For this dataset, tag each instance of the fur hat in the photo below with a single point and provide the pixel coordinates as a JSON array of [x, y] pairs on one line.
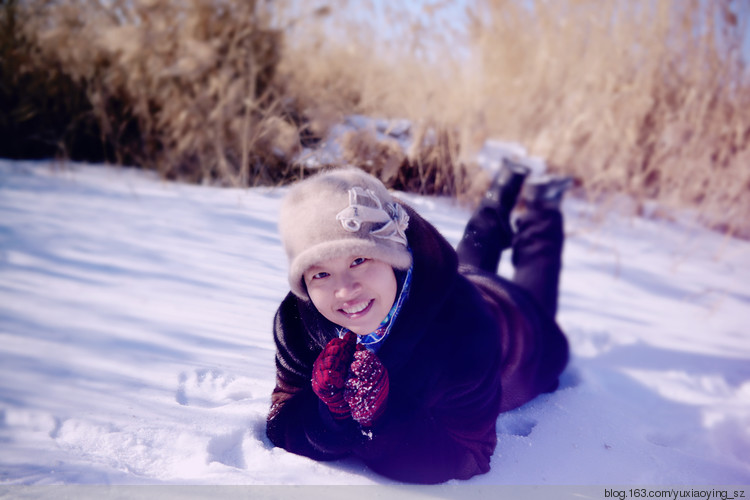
[[341, 212]]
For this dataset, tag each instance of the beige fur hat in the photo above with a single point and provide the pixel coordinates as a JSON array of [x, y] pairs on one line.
[[341, 212]]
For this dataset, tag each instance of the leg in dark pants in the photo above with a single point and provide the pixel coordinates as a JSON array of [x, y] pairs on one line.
[[489, 231], [537, 255], [487, 234], [537, 245]]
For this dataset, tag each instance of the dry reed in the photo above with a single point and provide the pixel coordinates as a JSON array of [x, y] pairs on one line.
[[183, 87], [645, 97]]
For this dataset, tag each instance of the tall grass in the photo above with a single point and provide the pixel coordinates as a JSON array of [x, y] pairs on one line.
[[646, 97], [43, 110], [649, 98], [182, 87]]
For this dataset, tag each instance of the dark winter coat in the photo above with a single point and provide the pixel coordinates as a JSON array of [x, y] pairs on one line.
[[465, 347]]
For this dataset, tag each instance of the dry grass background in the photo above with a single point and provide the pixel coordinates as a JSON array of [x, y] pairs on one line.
[[644, 97]]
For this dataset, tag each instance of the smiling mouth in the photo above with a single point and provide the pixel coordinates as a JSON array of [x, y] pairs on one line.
[[357, 309]]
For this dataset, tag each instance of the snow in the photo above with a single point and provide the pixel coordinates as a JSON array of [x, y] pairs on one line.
[[136, 348]]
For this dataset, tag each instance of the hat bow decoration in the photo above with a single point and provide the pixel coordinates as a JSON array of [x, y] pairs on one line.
[[394, 218]]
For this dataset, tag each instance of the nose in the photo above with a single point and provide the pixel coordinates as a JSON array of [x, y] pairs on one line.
[[347, 286]]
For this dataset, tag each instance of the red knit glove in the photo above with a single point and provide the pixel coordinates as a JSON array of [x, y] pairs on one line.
[[367, 387], [330, 372]]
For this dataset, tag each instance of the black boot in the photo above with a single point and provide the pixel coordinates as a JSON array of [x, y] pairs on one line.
[[546, 193], [505, 187]]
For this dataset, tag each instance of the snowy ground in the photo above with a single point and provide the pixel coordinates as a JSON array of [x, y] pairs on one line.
[[135, 342]]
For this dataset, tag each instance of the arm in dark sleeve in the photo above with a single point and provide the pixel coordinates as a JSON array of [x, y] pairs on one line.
[[454, 439], [298, 421], [442, 426]]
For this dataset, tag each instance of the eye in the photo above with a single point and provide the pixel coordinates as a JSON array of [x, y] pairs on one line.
[[315, 275], [358, 261]]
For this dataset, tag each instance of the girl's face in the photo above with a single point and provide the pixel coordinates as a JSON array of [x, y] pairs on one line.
[[354, 292]]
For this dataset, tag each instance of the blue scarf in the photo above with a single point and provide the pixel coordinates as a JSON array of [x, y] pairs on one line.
[[373, 341]]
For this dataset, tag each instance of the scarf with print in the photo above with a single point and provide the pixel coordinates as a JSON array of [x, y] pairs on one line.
[[373, 341]]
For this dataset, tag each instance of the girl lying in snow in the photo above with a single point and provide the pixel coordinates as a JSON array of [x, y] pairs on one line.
[[395, 348]]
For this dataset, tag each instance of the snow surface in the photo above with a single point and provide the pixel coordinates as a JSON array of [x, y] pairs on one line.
[[135, 342]]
